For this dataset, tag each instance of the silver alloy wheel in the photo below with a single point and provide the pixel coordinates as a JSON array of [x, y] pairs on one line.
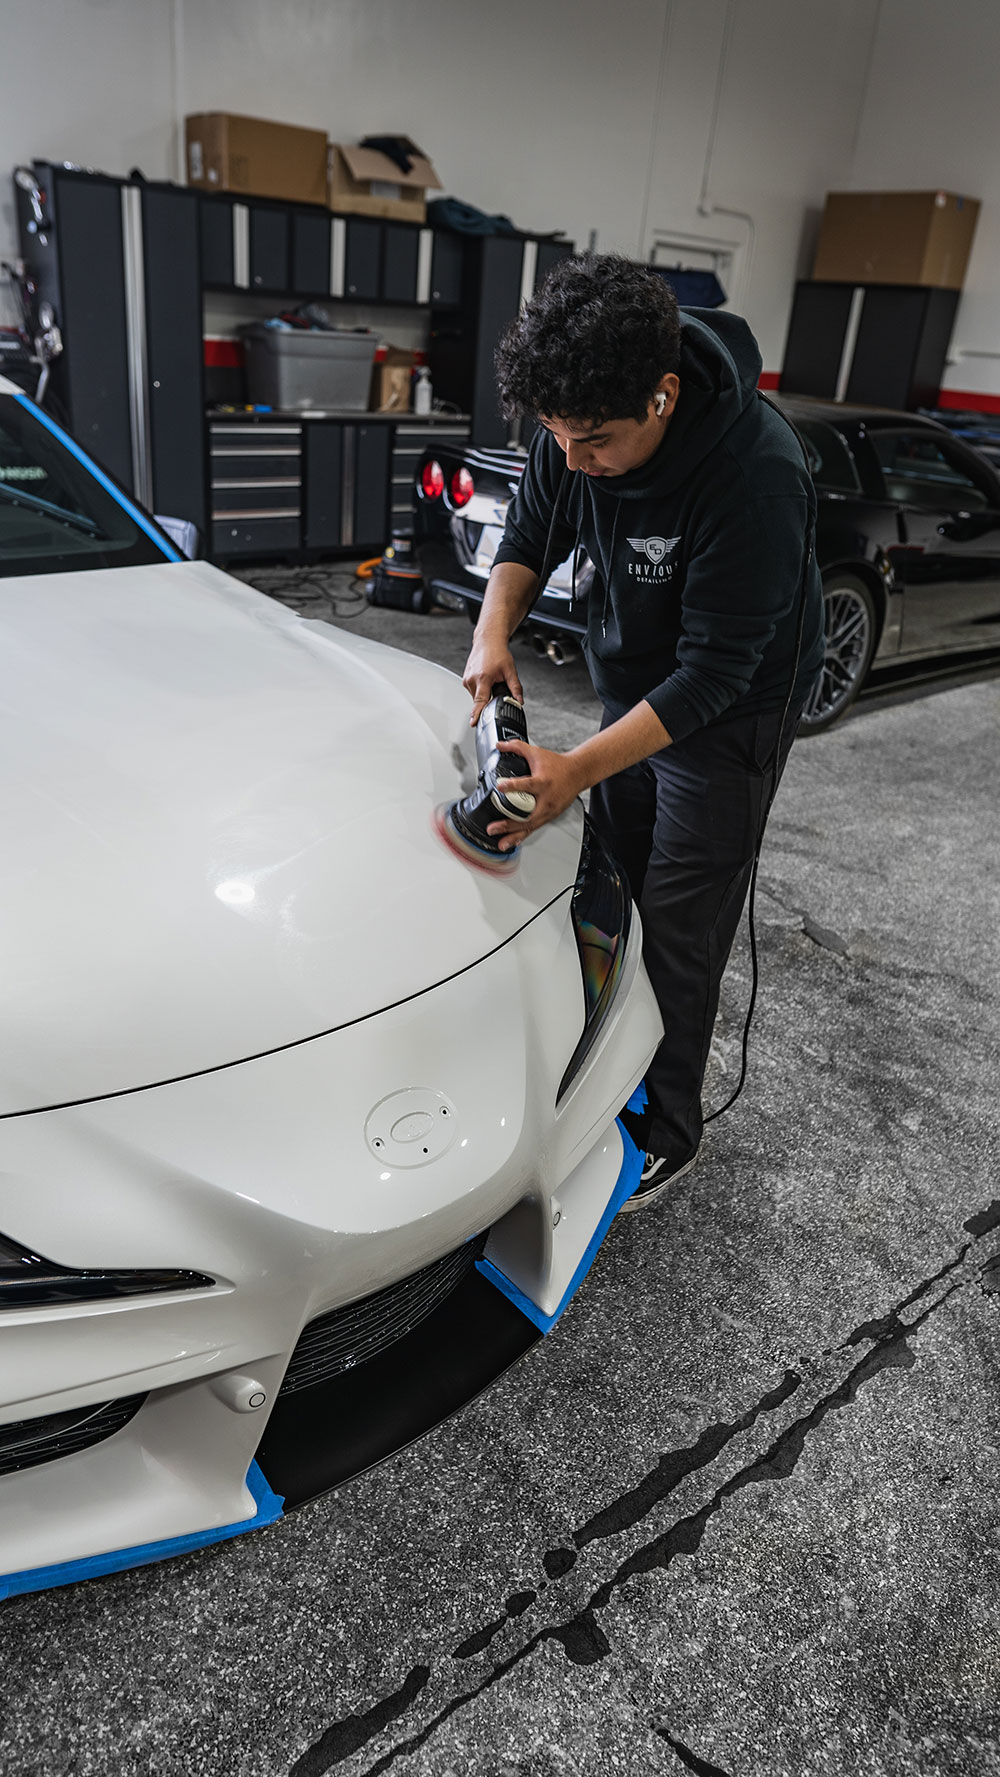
[[849, 618]]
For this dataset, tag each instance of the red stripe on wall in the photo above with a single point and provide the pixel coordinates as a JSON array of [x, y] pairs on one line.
[[969, 401], [769, 379], [225, 354]]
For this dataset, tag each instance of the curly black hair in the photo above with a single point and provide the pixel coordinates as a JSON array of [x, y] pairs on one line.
[[592, 344]]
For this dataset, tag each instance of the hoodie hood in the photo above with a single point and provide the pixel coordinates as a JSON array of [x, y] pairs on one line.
[[719, 370]]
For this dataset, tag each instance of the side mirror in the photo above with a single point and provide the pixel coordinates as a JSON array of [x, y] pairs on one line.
[[184, 534]]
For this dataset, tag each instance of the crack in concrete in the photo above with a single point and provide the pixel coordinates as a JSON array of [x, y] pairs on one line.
[[478, 1643], [353, 1732], [824, 937], [985, 1221], [581, 1636], [821, 935], [699, 1766], [675, 1466], [890, 1325]]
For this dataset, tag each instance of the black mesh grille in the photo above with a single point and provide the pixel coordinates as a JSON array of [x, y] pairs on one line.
[[349, 1336], [27, 1442]]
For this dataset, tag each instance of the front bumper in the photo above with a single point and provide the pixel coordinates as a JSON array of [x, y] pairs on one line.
[[260, 1176]]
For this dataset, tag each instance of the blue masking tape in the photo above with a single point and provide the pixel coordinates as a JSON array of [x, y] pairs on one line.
[[91, 1567], [170, 553], [638, 1100], [625, 1184]]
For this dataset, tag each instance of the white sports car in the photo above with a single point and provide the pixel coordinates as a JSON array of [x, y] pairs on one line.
[[307, 1129]]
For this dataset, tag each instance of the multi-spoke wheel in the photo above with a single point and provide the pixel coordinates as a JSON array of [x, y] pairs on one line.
[[851, 632]]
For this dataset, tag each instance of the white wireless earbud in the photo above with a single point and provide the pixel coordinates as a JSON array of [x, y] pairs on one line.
[[659, 403]]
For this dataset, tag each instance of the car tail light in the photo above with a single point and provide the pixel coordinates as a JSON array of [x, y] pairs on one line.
[[432, 481], [462, 487]]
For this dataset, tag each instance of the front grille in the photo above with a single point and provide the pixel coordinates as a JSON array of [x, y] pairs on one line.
[[353, 1335], [27, 1442]]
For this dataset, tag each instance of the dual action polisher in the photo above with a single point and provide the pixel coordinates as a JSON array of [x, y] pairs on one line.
[[463, 825]]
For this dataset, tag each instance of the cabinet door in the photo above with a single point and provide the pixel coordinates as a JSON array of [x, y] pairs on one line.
[[816, 334], [371, 484], [499, 299], [324, 481], [269, 248], [363, 260], [549, 254], [902, 344], [399, 269], [446, 270], [174, 352], [88, 227], [215, 222], [310, 253]]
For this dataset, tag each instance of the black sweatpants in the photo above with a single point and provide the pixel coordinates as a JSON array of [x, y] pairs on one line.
[[685, 824]]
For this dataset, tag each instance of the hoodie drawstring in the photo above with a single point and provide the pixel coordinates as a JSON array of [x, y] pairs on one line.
[[608, 567]]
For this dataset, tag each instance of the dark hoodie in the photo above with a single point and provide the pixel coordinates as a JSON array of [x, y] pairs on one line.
[[699, 555]]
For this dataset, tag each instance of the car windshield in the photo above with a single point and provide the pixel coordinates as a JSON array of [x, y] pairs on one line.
[[55, 516]]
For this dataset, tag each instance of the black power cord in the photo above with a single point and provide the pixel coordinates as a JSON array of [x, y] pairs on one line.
[[295, 588], [775, 766]]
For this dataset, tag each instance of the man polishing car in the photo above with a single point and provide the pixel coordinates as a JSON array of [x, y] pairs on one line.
[[691, 496]]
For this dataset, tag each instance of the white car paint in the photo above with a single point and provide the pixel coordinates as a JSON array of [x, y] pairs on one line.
[[492, 516], [215, 810]]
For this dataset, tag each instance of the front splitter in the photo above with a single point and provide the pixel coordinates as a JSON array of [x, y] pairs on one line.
[[324, 1435]]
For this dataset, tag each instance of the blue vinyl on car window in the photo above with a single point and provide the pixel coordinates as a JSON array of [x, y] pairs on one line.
[[59, 511]]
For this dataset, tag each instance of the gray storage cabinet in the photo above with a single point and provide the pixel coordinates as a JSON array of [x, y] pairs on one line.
[[301, 488]]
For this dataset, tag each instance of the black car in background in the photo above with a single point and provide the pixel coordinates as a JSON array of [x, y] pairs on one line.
[[908, 542]]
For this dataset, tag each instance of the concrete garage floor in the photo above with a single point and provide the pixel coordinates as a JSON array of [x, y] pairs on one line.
[[738, 1513]]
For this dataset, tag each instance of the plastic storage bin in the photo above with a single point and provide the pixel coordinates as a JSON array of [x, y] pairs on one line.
[[299, 370]]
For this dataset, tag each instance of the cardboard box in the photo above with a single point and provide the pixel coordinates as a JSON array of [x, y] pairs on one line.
[[896, 237], [364, 182], [255, 158], [392, 380]]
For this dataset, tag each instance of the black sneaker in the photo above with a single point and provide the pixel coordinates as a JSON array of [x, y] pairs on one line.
[[658, 1171]]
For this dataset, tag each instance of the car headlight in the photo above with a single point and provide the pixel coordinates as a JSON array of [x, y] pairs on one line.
[[602, 915], [29, 1281]]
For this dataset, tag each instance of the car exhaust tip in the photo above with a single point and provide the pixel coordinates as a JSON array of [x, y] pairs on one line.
[[561, 653]]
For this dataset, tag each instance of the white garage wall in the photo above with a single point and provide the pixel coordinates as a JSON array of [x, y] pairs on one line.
[[759, 105], [931, 121], [575, 114], [91, 81], [710, 120]]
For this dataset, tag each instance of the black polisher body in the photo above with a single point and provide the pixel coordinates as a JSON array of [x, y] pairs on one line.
[[467, 820]]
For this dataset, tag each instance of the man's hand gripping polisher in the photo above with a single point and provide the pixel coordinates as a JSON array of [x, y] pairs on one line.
[[463, 825]]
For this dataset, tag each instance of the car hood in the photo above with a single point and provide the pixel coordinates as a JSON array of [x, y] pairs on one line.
[[218, 832]]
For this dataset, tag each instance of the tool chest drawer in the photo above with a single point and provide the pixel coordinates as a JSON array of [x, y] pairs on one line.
[[229, 463], [256, 486], [255, 497], [267, 533]]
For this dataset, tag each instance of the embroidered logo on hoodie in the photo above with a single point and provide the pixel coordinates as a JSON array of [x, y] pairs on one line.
[[655, 549]]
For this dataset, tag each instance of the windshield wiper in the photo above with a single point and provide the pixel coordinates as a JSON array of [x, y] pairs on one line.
[[16, 496]]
